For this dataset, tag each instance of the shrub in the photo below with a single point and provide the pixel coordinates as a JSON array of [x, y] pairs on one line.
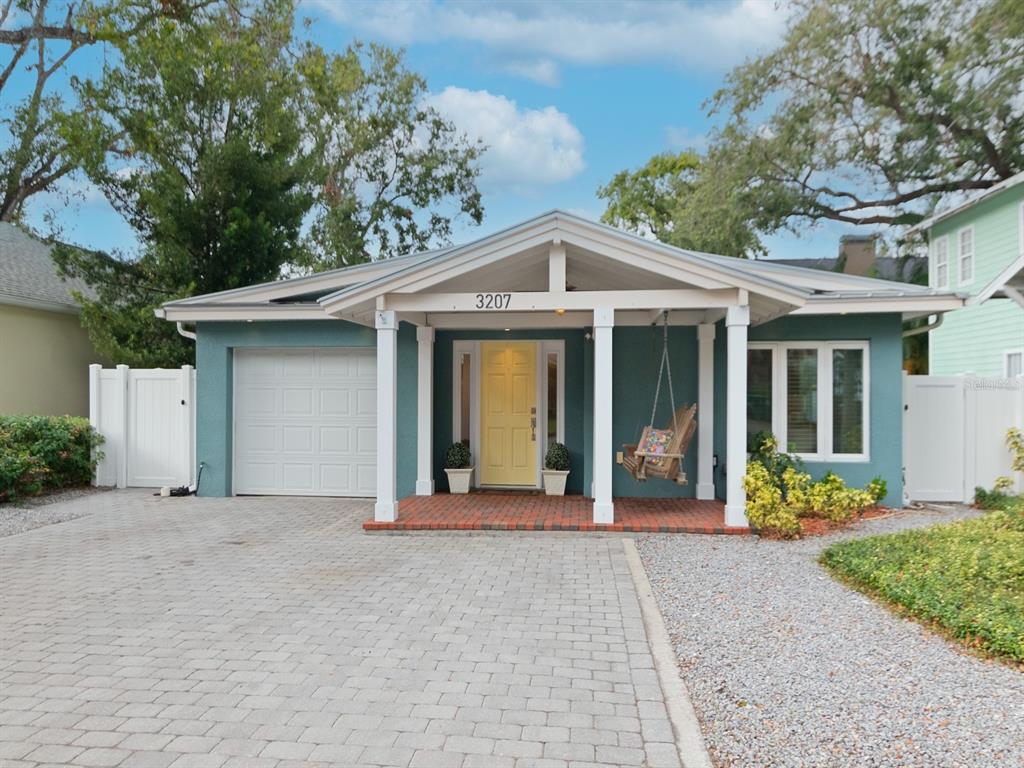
[[1015, 442], [40, 452], [830, 498], [767, 454], [458, 457], [765, 508], [878, 489], [966, 578], [557, 458]]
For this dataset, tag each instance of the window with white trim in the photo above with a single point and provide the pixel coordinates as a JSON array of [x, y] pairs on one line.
[[812, 395], [965, 254], [940, 254], [1013, 363]]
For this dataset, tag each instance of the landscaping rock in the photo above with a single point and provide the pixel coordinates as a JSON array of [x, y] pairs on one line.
[[787, 667]]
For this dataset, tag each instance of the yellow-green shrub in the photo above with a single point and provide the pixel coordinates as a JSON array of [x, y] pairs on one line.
[[765, 509], [831, 499]]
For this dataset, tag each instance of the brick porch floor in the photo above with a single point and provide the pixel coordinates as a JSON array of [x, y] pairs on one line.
[[492, 511]]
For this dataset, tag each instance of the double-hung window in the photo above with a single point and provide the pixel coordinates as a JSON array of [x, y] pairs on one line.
[[940, 250], [965, 252], [813, 396]]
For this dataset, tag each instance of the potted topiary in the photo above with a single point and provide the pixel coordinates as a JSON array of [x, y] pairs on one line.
[[458, 465], [556, 469]]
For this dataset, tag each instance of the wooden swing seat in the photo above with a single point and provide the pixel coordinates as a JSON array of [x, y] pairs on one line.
[[668, 464]]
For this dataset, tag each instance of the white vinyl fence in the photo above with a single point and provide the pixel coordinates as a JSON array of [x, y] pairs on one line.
[[147, 416], [954, 434]]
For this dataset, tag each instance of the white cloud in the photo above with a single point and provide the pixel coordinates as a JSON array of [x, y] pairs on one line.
[[525, 147], [679, 137], [705, 36], [543, 71]]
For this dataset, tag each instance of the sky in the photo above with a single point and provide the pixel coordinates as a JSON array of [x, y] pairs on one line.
[[564, 95]]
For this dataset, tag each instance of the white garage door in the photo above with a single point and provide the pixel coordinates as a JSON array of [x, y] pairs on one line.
[[305, 421]]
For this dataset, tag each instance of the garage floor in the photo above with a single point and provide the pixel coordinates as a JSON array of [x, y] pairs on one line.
[[274, 632]]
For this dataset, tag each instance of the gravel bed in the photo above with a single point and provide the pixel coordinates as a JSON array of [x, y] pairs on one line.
[[52, 508], [787, 667]]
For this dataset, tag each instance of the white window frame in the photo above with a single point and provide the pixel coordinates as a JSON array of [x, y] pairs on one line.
[[936, 283], [825, 406], [961, 257], [1006, 360], [544, 347]]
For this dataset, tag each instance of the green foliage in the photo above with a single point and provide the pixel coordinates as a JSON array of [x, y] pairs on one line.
[[767, 454], [1015, 442], [50, 130], [869, 112], [209, 171], [765, 508], [878, 488], [685, 201], [458, 457], [557, 458], [967, 577], [876, 108], [40, 452], [779, 493], [386, 164]]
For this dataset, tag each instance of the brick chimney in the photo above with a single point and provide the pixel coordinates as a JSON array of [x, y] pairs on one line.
[[857, 253]]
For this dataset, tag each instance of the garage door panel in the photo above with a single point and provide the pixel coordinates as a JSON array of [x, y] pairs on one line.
[[297, 439], [305, 421], [336, 402]]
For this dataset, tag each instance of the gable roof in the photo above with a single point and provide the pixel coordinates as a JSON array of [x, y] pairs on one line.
[[343, 291], [28, 276], [995, 189]]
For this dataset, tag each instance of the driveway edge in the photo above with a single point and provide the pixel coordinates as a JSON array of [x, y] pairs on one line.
[[689, 740]]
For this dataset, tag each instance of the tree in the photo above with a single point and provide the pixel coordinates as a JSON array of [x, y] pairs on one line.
[[209, 171], [391, 173], [231, 137], [684, 200], [870, 112], [50, 132], [878, 108]]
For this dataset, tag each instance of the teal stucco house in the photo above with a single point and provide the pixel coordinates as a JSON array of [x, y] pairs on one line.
[[353, 382], [977, 249]]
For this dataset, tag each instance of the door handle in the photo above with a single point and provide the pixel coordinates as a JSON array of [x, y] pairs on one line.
[[533, 429]]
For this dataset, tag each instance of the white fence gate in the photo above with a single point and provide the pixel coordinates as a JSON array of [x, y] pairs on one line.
[[147, 416], [954, 434]]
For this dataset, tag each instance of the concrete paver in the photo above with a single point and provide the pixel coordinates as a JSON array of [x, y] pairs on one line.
[[274, 632]]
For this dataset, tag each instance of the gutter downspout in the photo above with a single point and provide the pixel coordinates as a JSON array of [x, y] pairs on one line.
[[186, 334]]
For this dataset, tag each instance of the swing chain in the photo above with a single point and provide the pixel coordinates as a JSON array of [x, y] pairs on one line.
[[663, 368]]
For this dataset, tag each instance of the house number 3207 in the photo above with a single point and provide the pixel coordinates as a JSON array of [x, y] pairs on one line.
[[493, 300]]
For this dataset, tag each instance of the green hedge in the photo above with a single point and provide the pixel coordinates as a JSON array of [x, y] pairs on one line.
[[42, 452], [967, 577]]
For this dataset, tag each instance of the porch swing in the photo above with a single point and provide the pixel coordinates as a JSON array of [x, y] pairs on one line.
[[659, 452]]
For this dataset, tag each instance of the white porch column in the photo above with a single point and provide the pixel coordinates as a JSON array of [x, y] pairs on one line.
[[424, 411], [604, 322], [736, 321], [705, 410], [386, 508]]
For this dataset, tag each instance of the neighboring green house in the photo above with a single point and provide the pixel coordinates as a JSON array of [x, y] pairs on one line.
[[977, 249]]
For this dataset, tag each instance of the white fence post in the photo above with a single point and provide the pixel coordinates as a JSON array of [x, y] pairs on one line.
[[122, 459], [188, 414], [94, 409]]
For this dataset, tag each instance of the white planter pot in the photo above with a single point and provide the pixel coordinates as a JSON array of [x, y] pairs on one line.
[[458, 479], [554, 481]]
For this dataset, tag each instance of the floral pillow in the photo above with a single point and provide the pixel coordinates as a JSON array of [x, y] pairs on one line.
[[657, 441]]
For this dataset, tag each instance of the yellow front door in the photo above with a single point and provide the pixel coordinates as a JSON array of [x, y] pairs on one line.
[[508, 413]]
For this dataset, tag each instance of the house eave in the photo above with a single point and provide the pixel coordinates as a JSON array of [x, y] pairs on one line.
[[240, 312]]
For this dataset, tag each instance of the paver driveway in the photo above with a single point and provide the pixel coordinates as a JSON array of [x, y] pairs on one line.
[[273, 632]]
